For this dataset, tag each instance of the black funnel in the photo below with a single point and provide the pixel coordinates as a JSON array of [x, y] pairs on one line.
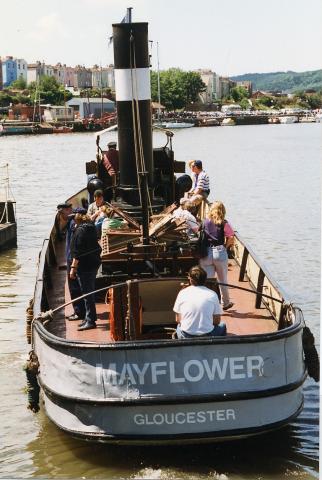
[[133, 103]]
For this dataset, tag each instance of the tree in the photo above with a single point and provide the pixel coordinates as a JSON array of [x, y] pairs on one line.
[[238, 93], [178, 88], [49, 91], [244, 103], [19, 84], [5, 99]]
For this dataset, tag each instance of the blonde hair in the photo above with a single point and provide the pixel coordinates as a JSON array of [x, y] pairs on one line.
[[190, 163], [82, 218], [217, 213], [106, 209]]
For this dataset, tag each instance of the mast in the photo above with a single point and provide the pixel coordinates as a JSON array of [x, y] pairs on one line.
[[101, 82], [159, 89]]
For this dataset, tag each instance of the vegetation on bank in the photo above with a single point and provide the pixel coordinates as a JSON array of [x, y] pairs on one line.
[[179, 90], [48, 91], [289, 82], [300, 99]]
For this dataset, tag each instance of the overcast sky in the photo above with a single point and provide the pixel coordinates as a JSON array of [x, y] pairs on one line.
[[230, 37]]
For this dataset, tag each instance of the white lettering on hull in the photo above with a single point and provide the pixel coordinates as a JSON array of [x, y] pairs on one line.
[[180, 418], [231, 368]]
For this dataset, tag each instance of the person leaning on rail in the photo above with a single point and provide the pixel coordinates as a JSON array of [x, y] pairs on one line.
[[61, 219], [200, 183], [197, 308]]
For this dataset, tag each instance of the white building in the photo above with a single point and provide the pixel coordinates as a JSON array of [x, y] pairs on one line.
[[55, 113], [99, 77], [22, 68], [209, 78]]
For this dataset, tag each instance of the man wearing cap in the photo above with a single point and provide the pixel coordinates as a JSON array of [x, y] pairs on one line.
[[111, 162], [94, 208], [73, 284], [200, 184], [61, 219]]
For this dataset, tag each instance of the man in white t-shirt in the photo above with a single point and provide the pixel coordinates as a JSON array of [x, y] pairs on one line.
[[197, 308]]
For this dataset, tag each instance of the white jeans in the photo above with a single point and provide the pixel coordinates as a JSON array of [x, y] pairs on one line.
[[216, 262]]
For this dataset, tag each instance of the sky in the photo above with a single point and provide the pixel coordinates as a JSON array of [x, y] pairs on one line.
[[230, 37]]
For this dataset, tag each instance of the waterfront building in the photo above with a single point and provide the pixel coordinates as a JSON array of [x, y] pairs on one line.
[[34, 72], [99, 77], [111, 77], [48, 70], [22, 67], [58, 113], [260, 94], [64, 75], [9, 71], [91, 107], [82, 77], [38, 70], [209, 78], [59, 73], [247, 84], [1, 83], [225, 84]]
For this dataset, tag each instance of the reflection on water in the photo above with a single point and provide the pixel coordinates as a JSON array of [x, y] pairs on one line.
[[276, 455], [269, 179]]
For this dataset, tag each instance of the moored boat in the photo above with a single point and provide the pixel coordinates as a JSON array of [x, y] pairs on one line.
[[130, 380], [288, 119], [228, 122], [8, 223]]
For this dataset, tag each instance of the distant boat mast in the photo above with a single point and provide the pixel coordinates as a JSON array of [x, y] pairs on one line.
[[159, 89]]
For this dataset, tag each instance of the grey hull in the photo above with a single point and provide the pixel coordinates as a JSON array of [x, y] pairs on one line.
[[171, 423], [215, 388]]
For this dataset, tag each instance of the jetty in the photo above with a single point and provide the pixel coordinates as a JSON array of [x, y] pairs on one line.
[[8, 224]]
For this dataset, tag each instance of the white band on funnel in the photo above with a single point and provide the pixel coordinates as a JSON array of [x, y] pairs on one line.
[[141, 84]]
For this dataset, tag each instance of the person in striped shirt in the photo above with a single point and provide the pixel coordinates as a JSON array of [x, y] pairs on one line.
[[200, 183]]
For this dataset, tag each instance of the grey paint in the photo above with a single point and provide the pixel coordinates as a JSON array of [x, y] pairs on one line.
[[100, 374], [161, 420]]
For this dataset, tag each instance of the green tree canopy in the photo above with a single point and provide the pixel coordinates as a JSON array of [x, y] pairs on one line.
[[49, 91], [238, 93], [178, 88], [19, 84]]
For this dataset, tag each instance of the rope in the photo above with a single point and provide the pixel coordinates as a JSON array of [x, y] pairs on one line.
[[140, 162]]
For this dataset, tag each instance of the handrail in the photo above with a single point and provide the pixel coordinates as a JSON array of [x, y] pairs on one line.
[[49, 313], [265, 270]]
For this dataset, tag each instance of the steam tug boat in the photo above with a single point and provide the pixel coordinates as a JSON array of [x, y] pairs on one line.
[[129, 380]]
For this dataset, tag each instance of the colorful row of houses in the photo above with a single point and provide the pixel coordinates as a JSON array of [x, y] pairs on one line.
[[79, 77]]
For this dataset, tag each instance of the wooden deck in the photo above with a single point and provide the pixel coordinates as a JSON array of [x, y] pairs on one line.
[[242, 319]]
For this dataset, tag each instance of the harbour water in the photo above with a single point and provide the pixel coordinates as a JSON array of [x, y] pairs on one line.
[[268, 176]]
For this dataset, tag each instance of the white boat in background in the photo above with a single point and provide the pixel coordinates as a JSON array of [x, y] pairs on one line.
[[288, 119], [318, 117], [307, 119], [228, 122], [171, 125]]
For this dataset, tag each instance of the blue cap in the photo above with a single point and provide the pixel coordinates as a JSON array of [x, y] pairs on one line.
[[197, 163], [80, 210]]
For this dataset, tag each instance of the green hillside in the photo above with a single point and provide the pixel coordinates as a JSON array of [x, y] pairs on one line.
[[284, 81]]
